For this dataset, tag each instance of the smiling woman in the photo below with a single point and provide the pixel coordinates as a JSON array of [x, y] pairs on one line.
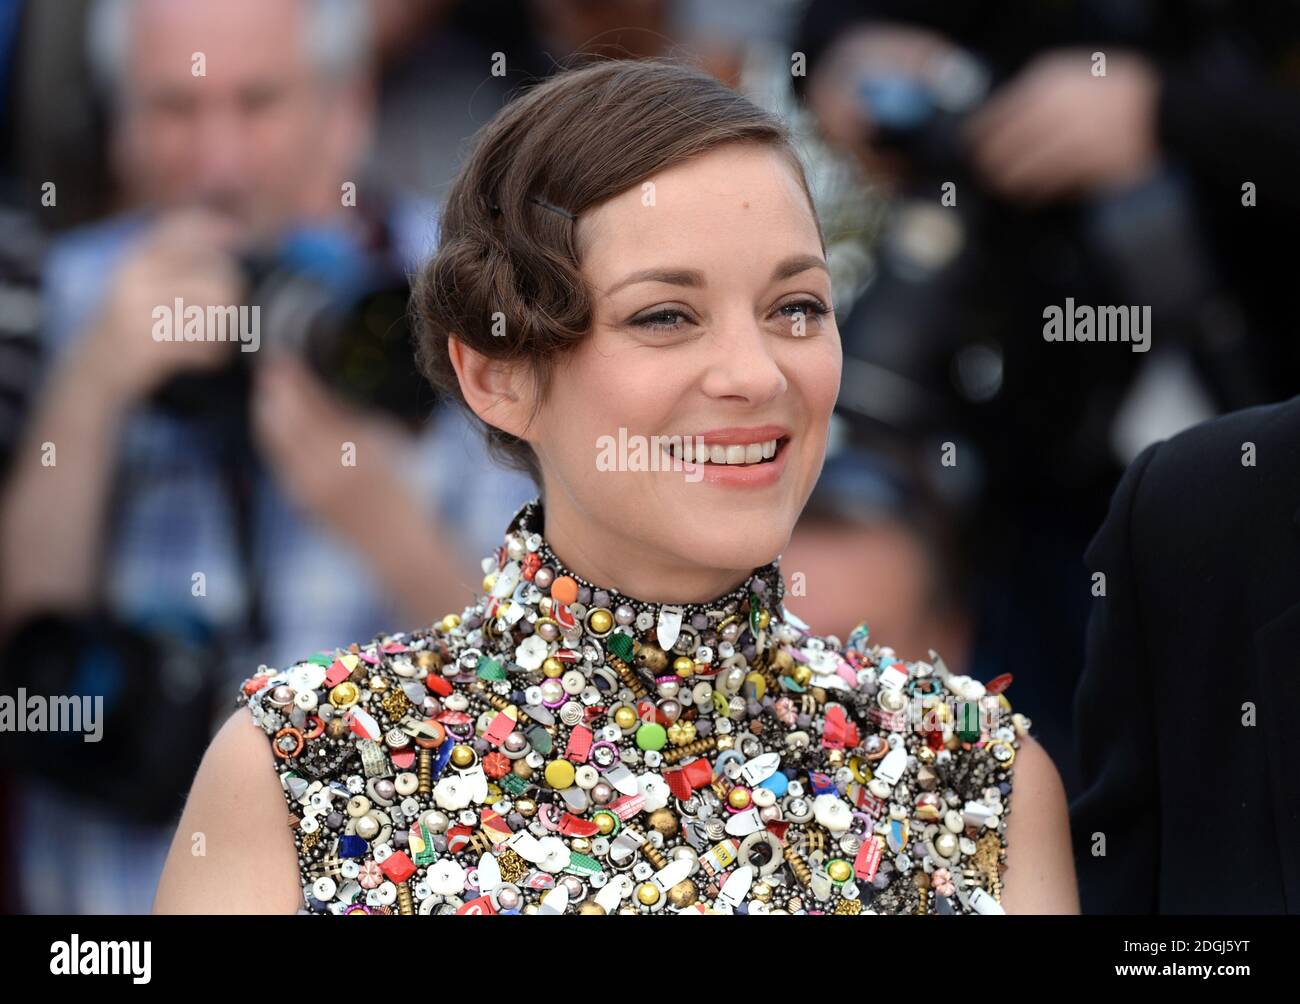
[[627, 719]]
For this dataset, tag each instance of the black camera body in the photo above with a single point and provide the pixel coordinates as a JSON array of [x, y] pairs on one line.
[[342, 310]]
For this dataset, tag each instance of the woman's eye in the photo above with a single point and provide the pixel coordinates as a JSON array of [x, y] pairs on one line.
[[670, 319], [664, 320], [804, 311]]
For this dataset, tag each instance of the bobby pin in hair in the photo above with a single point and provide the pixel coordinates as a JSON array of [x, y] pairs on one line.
[[541, 202]]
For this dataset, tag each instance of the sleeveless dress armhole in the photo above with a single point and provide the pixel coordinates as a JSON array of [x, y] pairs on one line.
[[322, 765], [961, 741]]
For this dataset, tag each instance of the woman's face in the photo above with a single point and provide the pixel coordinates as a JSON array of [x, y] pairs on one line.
[[711, 318]]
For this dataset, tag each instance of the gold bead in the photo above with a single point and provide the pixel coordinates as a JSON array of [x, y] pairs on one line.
[[738, 798], [761, 891], [653, 658], [337, 728], [764, 619], [651, 853], [590, 909], [684, 666], [606, 822], [581, 844], [462, 755], [488, 582], [647, 893], [600, 620], [683, 894], [521, 768], [801, 675], [625, 717], [664, 821], [451, 622], [345, 695], [839, 870], [552, 667], [680, 733], [425, 659], [526, 807], [783, 662]]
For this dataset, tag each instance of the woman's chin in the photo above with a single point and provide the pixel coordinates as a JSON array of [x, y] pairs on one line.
[[717, 536]]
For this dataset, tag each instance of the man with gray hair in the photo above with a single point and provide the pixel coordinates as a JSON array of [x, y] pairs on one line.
[[236, 124]]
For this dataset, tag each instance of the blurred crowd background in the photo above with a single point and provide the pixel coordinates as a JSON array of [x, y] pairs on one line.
[[973, 162]]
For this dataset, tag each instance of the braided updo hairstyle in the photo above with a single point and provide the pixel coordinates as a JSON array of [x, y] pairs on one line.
[[506, 277]]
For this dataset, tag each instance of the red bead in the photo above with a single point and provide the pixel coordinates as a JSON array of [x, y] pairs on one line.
[[496, 765], [398, 866]]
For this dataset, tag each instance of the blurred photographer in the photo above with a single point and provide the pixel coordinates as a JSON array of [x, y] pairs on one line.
[[1035, 152], [1114, 152], [185, 509]]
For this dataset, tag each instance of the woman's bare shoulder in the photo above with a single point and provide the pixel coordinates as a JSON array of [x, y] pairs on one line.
[[233, 851], [1040, 874]]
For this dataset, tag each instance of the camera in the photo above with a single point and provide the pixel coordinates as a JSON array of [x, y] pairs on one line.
[[948, 332], [341, 308]]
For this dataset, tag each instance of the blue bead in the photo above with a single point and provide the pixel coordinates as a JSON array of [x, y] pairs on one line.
[[776, 784], [444, 757], [351, 846]]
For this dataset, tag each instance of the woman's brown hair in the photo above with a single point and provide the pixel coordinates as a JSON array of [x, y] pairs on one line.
[[506, 278]]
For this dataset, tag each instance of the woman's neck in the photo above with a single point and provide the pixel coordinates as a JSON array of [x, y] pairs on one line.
[[611, 560]]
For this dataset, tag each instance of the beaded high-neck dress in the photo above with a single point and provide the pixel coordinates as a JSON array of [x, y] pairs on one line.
[[558, 747]]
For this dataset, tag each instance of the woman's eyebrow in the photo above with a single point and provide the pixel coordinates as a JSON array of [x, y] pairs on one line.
[[694, 277], [796, 264], [672, 276]]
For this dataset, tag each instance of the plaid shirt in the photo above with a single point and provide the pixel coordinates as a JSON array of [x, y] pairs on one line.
[[170, 518]]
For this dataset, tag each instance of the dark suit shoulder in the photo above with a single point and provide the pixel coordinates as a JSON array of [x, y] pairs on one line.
[[1215, 492]]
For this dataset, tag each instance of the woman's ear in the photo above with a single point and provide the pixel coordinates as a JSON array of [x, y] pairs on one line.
[[496, 390]]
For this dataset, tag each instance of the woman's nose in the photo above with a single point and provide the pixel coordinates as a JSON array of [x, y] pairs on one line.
[[741, 363]]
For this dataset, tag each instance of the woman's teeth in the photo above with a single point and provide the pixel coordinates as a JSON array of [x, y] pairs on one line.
[[748, 453]]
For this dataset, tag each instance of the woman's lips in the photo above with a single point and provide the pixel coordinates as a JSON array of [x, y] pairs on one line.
[[749, 475]]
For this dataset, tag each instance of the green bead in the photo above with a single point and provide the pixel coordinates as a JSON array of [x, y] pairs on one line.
[[322, 659], [490, 669], [582, 864], [427, 856], [620, 645], [651, 736], [539, 739], [968, 728]]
